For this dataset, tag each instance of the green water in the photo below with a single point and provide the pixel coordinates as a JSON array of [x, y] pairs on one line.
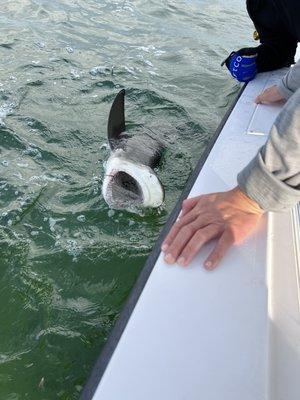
[[67, 262]]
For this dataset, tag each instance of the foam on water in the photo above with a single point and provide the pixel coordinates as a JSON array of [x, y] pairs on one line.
[[5, 110], [53, 222], [99, 70]]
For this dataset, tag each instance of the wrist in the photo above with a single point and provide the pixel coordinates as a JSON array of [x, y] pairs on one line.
[[251, 205]]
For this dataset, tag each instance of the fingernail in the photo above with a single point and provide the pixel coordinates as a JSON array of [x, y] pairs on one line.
[[208, 265], [181, 261], [169, 259], [164, 247]]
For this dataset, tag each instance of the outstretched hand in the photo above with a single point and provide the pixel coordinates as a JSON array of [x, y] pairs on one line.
[[229, 217], [269, 96]]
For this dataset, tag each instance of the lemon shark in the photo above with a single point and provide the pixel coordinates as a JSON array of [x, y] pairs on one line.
[[130, 181]]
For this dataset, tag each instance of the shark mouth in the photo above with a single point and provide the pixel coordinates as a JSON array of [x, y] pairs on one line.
[[129, 185]]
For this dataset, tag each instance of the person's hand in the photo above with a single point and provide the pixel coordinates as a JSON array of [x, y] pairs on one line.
[[242, 64], [229, 217], [269, 96]]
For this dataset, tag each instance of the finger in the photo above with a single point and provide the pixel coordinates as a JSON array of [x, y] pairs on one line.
[[264, 101], [201, 237], [197, 220], [258, 99], [263, 98], [188, 205], [176, 228], [224, 243], [179, 242], [183, 236]]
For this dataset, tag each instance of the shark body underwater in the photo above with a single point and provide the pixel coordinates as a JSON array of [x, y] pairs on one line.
[[130, 181]]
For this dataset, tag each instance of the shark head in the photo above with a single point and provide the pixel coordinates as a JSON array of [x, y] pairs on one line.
[[130, 181]]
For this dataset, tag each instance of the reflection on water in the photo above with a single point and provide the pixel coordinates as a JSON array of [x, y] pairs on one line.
[[67, 261]]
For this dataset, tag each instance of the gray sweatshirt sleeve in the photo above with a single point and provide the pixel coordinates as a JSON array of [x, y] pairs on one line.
[[272, 178], [290, 83]]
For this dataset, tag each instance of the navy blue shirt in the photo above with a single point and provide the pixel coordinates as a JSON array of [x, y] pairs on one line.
[[278, 25]]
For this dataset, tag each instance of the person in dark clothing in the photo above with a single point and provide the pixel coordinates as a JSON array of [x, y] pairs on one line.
[[277, 23]]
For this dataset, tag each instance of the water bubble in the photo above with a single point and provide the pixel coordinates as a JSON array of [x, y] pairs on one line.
[[70, 49], [74, 74], [5, 163], [111, 213], [34, 233]]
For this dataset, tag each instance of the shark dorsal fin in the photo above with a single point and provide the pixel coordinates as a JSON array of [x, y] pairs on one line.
[[116, 120]]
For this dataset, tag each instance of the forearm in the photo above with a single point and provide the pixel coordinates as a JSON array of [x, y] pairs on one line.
[[290, 83], [275, 55], [278, 41], [272, 179]]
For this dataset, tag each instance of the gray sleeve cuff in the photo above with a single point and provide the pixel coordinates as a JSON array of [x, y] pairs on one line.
[[290, 83], [262, 186], [284, 90]]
